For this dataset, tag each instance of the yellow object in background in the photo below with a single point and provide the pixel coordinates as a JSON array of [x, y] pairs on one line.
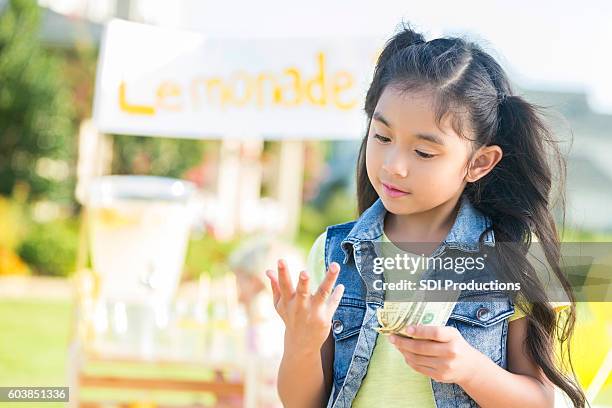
[[11, 263], [142, 404], [591, 344]]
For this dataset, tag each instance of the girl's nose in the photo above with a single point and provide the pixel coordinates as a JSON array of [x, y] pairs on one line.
[[396, 163]]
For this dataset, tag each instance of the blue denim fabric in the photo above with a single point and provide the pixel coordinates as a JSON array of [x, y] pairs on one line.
[[351, 245]]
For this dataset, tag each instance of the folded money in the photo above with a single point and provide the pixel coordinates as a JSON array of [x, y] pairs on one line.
[[395, 317]]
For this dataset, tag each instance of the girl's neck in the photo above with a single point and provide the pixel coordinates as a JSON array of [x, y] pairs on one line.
[[430, 226]]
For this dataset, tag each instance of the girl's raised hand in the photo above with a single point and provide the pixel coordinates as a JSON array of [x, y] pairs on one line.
[[307, 316]]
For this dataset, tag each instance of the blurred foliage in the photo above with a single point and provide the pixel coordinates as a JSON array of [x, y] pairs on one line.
[[50, 248], [79, 72], [207, 255], [156, 156], [13, 223], [577, 235], [36, 111], [341, 207]]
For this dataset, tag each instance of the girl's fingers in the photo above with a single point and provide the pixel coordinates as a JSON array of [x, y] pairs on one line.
[[428, 369], [284, 280], [418, 360], [276, 294], [302, 290], [442, 334], [326, 287], [334, 300], [418, 346]]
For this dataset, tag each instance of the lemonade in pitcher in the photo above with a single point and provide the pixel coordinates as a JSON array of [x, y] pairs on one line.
[[139, 230]]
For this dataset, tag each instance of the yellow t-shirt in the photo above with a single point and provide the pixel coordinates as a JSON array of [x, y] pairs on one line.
[[388, 374]]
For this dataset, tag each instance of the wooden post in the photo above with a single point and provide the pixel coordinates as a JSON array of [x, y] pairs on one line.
[[249, 182], [95, 156], [238, 184], [288, 189], [228, 188]]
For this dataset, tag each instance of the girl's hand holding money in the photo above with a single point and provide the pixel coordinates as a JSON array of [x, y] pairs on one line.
[[307, 316], [439, 352]]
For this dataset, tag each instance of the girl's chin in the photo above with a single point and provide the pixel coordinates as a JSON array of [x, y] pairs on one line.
[[397, 205]]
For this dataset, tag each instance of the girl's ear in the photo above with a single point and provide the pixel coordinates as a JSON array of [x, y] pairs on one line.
[[482, 162]]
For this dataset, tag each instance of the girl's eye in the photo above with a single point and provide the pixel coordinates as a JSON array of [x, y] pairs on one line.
[[424, 155], [382, 138]]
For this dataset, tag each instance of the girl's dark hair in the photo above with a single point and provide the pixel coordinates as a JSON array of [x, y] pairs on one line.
[[467, 83]]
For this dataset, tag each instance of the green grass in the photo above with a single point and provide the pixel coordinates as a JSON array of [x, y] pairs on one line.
[[34, 339], [33, 342]]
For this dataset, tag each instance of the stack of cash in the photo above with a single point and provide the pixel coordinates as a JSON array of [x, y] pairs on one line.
[[395, 317]]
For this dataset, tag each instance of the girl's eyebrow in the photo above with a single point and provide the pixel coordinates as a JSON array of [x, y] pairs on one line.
[[428, 137], [379, 117]]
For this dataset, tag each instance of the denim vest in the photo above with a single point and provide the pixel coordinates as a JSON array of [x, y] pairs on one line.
[[481, 318]]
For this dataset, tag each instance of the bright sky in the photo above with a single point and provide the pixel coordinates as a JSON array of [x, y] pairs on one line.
[[560, 44], [545, 44]]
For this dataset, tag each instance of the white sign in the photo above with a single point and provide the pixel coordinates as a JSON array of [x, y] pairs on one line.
[[160, 82]]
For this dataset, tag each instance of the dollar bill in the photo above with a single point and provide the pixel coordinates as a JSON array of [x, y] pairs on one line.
[[395, 317], [395, 312]]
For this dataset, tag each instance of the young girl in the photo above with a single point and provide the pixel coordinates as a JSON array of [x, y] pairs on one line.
[[452, 157]]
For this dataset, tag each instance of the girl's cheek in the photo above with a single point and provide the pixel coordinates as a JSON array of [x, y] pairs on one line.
[[430, 177], [372, 149], [373, 161]]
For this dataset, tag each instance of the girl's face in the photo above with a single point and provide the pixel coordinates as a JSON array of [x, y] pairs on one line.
[[413, 164]]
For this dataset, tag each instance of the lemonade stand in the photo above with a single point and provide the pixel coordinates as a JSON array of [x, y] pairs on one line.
[[155, 81]]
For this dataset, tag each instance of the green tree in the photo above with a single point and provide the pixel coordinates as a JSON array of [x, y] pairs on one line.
[[37, 131]]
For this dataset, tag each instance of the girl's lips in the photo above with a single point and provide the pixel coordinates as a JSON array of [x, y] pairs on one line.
[[393, 192]]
